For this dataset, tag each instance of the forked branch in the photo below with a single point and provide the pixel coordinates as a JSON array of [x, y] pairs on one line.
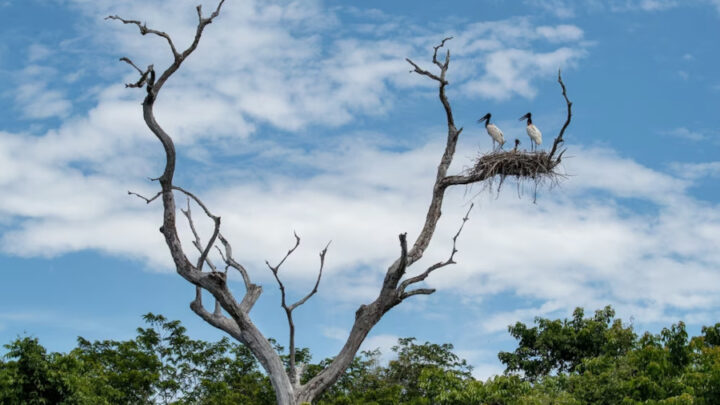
[[295, 373], [422, 276], [144, 30], [559, 139]]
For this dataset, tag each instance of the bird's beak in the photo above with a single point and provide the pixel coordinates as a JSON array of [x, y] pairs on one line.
[[524, 117]]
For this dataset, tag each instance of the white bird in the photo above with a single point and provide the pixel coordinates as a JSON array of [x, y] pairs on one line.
[[492, 130], [532, 131]]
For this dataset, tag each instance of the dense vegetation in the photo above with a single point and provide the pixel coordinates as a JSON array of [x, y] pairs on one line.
[[594, 360]]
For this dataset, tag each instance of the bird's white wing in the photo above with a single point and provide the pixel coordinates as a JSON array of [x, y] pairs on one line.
[[496, 134], [534, 134]]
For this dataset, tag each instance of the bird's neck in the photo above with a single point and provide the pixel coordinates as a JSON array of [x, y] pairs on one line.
[[529, 121]]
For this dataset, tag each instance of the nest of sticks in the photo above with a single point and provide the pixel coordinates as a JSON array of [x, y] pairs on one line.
[[533, 165], [536, 167]]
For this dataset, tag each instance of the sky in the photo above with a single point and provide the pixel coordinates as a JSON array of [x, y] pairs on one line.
[[303, 116]]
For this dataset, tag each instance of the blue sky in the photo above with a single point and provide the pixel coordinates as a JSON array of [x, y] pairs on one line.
[[303, 116]]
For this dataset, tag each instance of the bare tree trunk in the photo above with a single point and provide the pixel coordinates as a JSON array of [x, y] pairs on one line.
[[237, 323]]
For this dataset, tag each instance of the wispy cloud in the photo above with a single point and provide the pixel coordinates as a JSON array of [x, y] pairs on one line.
[[510, 72], [54, 318], [559, 8], [690, 135], [35, 95], [384, 343], [697, 170], [37, 52], [570, 8], [511, 63]]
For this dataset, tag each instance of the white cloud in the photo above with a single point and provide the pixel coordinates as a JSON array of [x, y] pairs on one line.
[[510, 72], [561, 33], [260, 63], [54, 318], [560, 8], [39, 102], [568, 8], [652, 5], [36, 98], [384, 343], [335, 333], [38, 52], [716, 4], [689, 134], [580, 244], [697, 170]]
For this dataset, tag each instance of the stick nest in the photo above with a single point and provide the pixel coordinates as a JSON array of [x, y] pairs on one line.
[[536, 166]]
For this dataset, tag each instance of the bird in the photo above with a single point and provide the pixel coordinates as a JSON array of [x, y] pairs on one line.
[[492, 130], [517, 143], [532, 131]]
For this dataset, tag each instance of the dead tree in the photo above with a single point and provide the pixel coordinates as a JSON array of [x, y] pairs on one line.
[[233, 316]]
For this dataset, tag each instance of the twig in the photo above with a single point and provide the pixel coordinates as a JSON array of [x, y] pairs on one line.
[[559, 139], [426, 273], [294, 377], [144, 30], [147, 200], [197, 243]]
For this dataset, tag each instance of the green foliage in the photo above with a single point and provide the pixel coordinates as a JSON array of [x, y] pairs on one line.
[[162, 365], [574, 361], [30, 377], [562, 345]]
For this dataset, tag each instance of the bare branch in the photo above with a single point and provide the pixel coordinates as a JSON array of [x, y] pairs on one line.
[[317, 282], [559, 140], [196, 199], [230, 261], [451, 260], [289, 252], [222, 256], [423, 72], [294, 378], [444, 65], [368, 315], [145, 77], [216, 220], [197, 243], [145, 30], [392, 278], [418, 291], [147, 200], [434, 210], [238, 324], [129, 62]]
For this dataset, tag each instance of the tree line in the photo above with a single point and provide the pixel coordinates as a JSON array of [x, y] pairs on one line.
[[580, 360]]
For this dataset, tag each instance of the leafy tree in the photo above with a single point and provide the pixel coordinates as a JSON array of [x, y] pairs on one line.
[[562, 345], [434, 365], [29, 377], [711, 335], [162, 365]]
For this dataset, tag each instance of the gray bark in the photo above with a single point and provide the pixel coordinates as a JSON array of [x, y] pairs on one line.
[[237, 323]]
